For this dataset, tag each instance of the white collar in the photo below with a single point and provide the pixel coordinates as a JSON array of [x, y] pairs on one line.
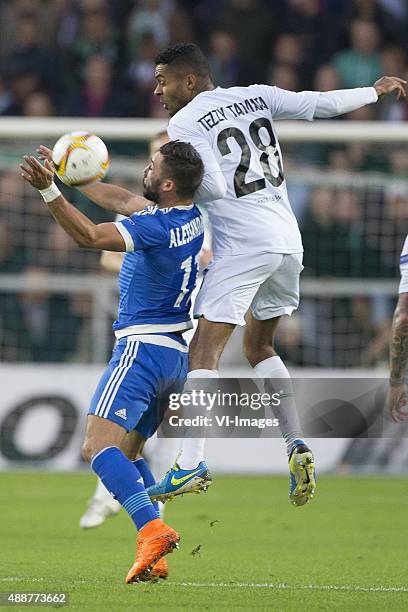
[[189, 207]]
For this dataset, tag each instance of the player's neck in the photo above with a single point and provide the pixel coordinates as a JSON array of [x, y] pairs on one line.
[[173, 204], [206, 86]]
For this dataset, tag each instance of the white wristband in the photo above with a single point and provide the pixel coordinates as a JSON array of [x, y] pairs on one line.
[[51, 193]]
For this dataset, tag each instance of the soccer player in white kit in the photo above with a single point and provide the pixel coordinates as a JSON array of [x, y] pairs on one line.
[[254, 276], [397, 399]]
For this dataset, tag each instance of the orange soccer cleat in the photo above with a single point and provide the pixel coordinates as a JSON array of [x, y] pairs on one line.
[[155, 540], [160, 569]]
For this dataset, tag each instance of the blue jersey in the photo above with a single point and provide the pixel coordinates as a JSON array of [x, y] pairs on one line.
[[159, 270]]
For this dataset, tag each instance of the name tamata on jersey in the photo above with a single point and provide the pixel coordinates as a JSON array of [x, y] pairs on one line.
[[215, 116], [186, 233]]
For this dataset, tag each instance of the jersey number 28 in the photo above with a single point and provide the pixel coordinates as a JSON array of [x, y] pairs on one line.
[[269, 153]]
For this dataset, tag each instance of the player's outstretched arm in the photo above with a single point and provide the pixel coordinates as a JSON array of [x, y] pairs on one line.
[[397, 395], [104, 236], [325, 104], [115, 198], [341, 101], [108, 196]]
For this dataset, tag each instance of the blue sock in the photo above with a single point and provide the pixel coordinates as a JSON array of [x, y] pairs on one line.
[[122, 479], [148, 478]]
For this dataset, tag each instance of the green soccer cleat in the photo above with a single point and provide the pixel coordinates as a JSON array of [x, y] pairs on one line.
[[178, 481], [302, 474]]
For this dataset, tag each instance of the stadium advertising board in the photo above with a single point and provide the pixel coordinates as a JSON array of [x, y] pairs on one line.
[[42, 423]]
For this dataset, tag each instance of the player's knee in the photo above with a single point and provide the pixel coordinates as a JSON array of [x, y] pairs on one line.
[[88, 450], [206, 353]]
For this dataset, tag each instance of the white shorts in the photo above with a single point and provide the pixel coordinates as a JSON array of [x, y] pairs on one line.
[[266, 283]]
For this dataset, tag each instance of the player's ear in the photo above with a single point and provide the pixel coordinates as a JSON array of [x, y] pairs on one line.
[[191, 81], [168, 185]]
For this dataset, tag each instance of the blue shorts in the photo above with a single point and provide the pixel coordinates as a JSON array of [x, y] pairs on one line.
[[143, 371]]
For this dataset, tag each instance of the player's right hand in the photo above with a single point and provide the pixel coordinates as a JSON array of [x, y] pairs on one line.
[[39, 176], [388, 84], [396, 402]]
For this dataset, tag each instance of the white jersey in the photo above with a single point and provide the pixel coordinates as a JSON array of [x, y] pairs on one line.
[[233, 131], [403, 288]]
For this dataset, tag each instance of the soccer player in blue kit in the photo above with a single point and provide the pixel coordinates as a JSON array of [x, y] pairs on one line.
[[150, 360]]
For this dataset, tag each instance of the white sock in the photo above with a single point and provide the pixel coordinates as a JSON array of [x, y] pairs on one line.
[[286, 412], [161, 509], [192, 450], [161, 453]]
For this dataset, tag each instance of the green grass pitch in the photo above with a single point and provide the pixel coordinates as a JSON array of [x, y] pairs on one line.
[[345, 551]]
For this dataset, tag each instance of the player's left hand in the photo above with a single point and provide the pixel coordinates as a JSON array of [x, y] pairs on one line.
[[38, 175], [388, 84], [396, 402], [44, 153]]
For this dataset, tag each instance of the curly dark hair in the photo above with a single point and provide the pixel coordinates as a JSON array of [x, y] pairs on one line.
[[186, 55], [183, 165]]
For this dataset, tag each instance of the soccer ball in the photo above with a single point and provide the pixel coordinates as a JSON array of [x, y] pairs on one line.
[[80, 158]]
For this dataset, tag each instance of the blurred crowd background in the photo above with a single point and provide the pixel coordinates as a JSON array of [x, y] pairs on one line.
[[95, 58]]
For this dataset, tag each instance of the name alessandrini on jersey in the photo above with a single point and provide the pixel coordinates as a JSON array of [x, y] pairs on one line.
[[215, 116], [180, 236]]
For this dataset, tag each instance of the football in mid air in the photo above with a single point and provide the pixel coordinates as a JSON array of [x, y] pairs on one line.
[[80, 158]]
